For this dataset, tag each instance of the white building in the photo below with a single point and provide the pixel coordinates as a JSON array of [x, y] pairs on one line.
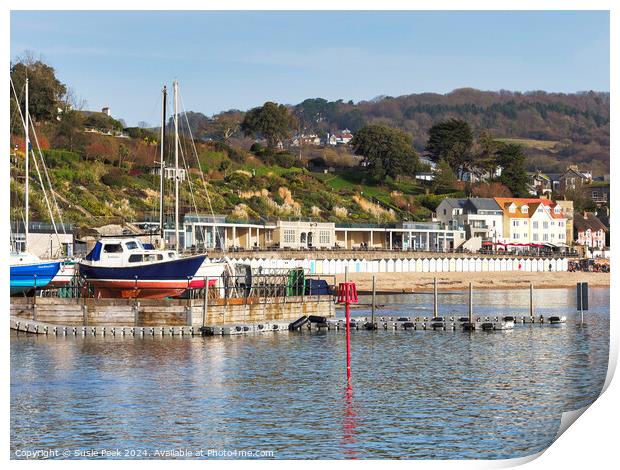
[[478, 217], [533, 221]]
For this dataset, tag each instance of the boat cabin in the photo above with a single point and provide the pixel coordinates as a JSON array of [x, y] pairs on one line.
[[119, 252]]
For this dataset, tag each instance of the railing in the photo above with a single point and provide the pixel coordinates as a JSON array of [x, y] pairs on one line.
[[264, 285]]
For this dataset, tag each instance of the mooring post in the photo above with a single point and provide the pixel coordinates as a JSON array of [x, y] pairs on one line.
[[471, 303], [374, 293], [205, 302], [34, 300], [435, 306], [531, 300], [346, 273]]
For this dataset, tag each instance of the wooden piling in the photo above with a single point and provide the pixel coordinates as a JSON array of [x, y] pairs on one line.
[[531, 300], [374, 293], [471, 303], [435, 306]]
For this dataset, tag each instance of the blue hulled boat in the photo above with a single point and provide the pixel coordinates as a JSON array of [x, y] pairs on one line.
[[118, 267], [30, 273]]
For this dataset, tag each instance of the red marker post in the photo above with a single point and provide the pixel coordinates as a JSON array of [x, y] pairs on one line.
[[347, 294]]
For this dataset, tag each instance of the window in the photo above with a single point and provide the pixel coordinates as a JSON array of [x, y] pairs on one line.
[[515, 236], [561, 236], [560, 223], [515, 223], [553, 222], [535, 237], [135, 258], [113, 248], [535, 224], [525, 235], [545, 237], [444, 212], [525, 222], [512, 209], [131, 245], [545, 224], [324, 237], [539, 210], [552, 236], [556, 209], [524, 209], [289, 236]]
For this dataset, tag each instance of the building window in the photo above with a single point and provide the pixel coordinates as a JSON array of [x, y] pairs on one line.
[[525, 222], [515, 223], [561, 236], [535, 224], [545, 237], [524, 209], [553, 222], [515, 236], [545, 224], [560, 224], [289, 236], [535, 237], [324, 237]]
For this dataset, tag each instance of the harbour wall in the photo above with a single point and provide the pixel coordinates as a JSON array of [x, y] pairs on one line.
[[436, 264], [143, 312]]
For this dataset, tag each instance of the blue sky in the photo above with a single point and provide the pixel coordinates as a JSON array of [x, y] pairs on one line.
[[227, 60]]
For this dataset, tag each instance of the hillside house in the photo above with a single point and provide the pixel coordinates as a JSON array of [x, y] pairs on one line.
[[589, 230]]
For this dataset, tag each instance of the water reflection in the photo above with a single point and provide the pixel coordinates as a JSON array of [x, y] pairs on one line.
[[414, 394]]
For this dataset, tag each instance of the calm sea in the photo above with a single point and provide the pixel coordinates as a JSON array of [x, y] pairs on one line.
[[415, 394]]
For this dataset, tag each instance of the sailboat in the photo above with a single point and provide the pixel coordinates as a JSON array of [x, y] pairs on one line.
[[118, 267], [28, 272]]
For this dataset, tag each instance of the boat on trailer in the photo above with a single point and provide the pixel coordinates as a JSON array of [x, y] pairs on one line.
[[124, 268]]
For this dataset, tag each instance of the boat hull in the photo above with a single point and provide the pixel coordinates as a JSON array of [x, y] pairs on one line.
[[148, 281], [26, 277]]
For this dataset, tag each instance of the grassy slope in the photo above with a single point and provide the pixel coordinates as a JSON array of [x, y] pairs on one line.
[[108, 193]]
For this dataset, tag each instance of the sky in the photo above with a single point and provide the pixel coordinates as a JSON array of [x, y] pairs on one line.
[[239, 60]]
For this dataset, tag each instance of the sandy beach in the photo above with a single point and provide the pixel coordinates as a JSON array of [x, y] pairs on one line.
[[420, 282]]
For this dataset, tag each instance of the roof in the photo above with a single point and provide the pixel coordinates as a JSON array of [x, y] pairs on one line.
[[484, 203], [591, 221], [575, 171], [532, 203], [454, 203]]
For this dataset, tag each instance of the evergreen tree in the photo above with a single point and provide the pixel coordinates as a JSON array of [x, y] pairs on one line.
[[445, 180], [386, 151], [512, 160], [452, 142], [272, 121]]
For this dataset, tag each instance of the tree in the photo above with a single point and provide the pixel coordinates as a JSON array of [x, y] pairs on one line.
[[386, 151], [69, 129], [445, 180], [272, 121], [451, 141], [512, 160], [45, 91], [226, 124], [492, 189], [486, 152]]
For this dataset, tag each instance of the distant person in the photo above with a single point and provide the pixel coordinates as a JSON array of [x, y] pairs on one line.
[[550, 267], [519, 266]]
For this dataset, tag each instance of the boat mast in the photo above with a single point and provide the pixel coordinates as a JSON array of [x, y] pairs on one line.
[[176, 167], [27, 219], [162, 164]]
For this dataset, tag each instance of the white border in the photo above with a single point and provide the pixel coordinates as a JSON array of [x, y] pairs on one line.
[[591, 442]]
